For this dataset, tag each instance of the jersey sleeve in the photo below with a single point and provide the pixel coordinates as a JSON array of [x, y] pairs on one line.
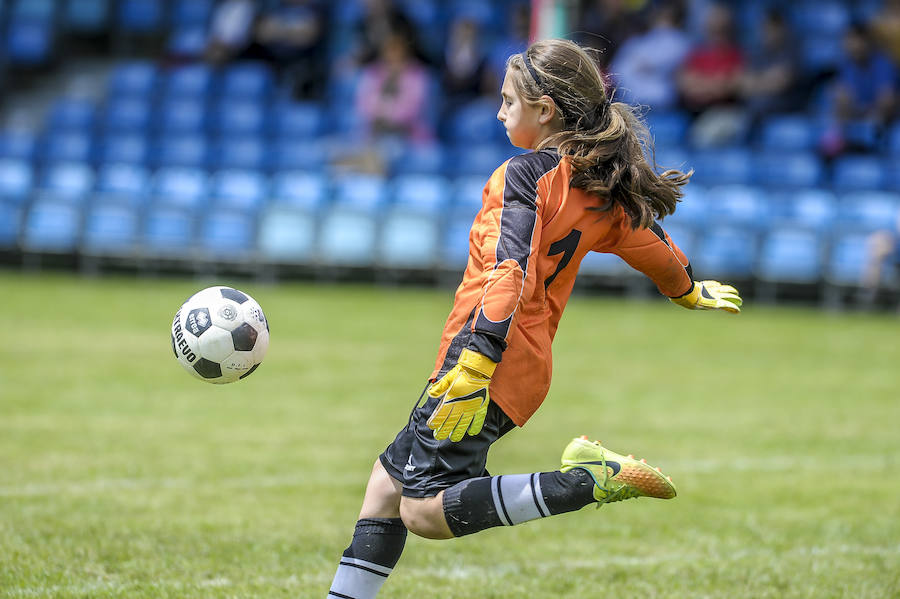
[[506, 236], [652, 252]]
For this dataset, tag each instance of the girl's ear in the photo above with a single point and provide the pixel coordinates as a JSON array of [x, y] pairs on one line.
[[548, 110]]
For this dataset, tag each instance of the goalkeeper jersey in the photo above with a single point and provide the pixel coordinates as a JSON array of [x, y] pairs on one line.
[[525, 247]]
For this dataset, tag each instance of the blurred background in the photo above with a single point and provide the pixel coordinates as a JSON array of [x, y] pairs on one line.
[[351, 140]]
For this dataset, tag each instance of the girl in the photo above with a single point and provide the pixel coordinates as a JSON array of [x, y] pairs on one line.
[[586, 187]]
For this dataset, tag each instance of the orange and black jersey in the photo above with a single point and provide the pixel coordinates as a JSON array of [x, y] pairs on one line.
[[525, 247]]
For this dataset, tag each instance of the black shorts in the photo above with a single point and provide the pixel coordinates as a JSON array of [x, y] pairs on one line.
[[426, 466]]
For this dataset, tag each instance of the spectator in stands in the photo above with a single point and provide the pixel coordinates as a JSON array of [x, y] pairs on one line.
[[709, 82], [883, 262], [770, 82], [885, 28], [230, 30], [864, 92], [381, 20], [644, 67], [606, 24], [465, 71]]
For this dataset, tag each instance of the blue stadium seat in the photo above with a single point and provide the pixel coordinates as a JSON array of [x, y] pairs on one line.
[[122, 182], [51, 226], [167, 232], [239, 117], [480, 159], [29, 42], [789, 132], [68, 114], [724, 252], [18, 143], [10, 220], [186, 43], [409, 239], [248, 80], [859, 173], [297, 154], [819, 18], [847, 260], [453, 251], [110, 228], [194, 13], [287, 234], [240, 190], [672, 157], [426, 194], [742, 206], [182, 115], [241, 152], [790, 256], [16, 180], [189, 150], [227, 235], [129, 148], [722, 166], [867, 211], [133, 79], [140, 16], [86, 16], [364, 193], [684, 237], [668, 128], [44, 10], [298, 120], [347, 237], [693, 211], [788, 169], [68, 181], [302, 190], [180, 186], [602, 264], [812, 209], [424, 159], [467, 194], [476, 123], [67, 147], [894, 140], [192, 81], [127, 114]]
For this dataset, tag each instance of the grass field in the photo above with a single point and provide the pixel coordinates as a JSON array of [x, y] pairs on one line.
[[122, 476]]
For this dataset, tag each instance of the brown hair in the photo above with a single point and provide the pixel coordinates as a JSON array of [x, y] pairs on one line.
[[605, 141]]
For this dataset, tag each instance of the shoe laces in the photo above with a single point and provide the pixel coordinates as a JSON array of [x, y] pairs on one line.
[[611, 495]]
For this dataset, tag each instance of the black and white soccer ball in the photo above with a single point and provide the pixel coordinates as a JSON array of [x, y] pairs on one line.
[[220, 335]]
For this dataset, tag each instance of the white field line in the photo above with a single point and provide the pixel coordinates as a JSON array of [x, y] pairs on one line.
[[761, 464]]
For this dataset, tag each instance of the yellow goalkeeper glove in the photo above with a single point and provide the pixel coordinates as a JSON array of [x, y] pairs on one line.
[[464, 397], [710, 295]]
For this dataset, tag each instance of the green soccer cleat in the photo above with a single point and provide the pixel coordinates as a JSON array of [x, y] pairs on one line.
[[616, 477]]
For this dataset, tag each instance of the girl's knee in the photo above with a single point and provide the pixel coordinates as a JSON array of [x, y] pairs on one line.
[[425, 517]]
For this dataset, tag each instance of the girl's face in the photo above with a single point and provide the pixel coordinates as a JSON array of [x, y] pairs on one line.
[[522, 121]]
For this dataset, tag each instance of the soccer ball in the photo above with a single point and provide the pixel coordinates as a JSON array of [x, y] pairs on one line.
[[220, 335]]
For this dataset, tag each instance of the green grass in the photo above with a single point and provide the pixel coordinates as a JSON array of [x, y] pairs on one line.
[[121, 476]]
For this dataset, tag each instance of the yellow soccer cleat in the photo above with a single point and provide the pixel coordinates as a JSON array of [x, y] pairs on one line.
[[616, 477]]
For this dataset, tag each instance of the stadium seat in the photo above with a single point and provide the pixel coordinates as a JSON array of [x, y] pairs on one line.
[[363, 193], [129, 148], [167, 232], [68, 181], [347, 237], [847, 260], [602, 264], [16, 180], [287, 234], [133, 79], [241, 190], [797, 169], [693, 211], [140, 16], [10, 220], [182, 115], [893, 143], [480, 159], [227, 235], [187, 43], [181, 187], [453, 252], [476, 123], [788, 132], [33, 9], [110, 228], [239, 117], [790, 256], [247, 80], [685, 237], [867, 211], [668, 128], [67, 147], [297, 154], [51, 226], [241, 152], [298, 120], [303, 190], [28, 41], [672, 157], [127, 114], [191, 82], [86, 16], [72, 114], [742, 206], [20, 144], [828, 17], [421, 159], [812, 209], [188, 150], [722, 166], [724, 252], [195, 13], [425, 194], [123, 183], [409, 239], [859, 173]]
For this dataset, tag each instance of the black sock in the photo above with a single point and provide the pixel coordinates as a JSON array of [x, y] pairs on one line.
[[374, 551]]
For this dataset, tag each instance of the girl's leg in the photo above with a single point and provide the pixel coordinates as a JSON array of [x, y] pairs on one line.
[[378, 540]]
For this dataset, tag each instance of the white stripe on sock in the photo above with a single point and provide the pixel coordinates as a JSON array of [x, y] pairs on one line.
[[518, 497], [358, 578], [536, 478], [498, 503]]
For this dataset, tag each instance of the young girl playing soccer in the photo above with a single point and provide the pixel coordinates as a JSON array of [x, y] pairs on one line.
[[585, 187]]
